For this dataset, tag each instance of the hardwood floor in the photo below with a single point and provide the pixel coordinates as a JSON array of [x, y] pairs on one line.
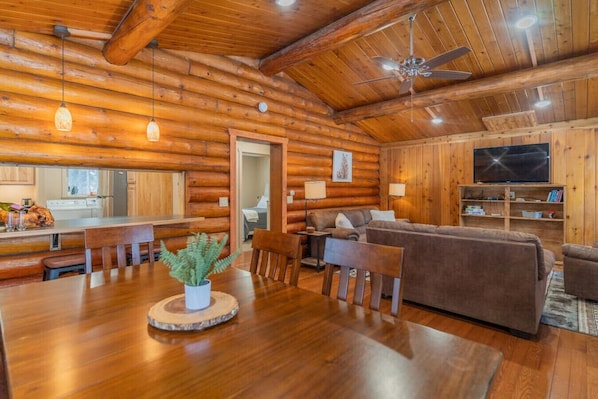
[[555, 364]]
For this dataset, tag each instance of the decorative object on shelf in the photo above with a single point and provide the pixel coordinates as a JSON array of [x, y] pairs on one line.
[[395, 190], [194, 263], [153, 130], [342, 166], [532, 214], [314, 190], [62, 118]]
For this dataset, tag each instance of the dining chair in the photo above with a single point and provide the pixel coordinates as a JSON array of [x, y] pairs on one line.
[[121, 238], [273, 252], [378, 260]]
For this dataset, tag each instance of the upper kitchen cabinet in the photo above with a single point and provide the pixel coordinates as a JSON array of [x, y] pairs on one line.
[[17, 175]]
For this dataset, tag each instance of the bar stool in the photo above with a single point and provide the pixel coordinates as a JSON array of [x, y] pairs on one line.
[[54, 266]]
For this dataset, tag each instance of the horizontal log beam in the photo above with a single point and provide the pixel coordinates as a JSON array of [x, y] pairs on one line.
[[143, 22], [365, 21], [583, 67]]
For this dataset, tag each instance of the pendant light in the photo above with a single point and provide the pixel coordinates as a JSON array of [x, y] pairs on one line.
[[62, 118], [153, 130]]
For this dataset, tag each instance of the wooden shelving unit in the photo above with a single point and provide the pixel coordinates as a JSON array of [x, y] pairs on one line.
[[504, 206]]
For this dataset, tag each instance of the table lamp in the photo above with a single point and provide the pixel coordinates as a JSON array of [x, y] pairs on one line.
[[314, 190], [395, 190]]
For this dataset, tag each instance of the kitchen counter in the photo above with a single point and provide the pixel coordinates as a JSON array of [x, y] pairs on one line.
[[78, 225]]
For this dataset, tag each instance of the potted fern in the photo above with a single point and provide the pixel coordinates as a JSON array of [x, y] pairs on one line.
[[194, 263]]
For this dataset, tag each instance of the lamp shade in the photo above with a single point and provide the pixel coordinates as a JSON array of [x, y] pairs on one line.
[[315, 189], [63, 119], [153, 131], [396, 189]]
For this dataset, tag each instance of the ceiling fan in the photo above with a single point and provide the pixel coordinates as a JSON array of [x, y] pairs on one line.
[[413, 66]]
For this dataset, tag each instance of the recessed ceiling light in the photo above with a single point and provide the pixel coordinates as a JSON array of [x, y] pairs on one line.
[[526, 21], [285, 3], [437, 120], [542, 104]]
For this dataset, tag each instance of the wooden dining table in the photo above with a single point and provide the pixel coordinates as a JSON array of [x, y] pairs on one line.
[[88, 336]]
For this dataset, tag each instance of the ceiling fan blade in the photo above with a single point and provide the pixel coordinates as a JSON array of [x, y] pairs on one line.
[[405, 86], [387, 63], [446, 57], [443, 74], [375, 80]]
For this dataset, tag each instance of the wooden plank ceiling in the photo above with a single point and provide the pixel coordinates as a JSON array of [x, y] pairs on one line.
[[327, 46]]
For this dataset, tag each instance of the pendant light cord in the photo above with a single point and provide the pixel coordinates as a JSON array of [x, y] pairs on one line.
[[62, 37], [153, 60]]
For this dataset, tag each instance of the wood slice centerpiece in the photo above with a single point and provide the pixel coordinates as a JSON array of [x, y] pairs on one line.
[[171, 314]]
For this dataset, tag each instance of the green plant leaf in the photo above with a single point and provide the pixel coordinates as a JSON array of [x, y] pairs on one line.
[[200, 259]]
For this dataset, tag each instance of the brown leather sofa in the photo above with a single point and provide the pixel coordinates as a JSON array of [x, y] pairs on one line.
[[580, 270], [491, 275]]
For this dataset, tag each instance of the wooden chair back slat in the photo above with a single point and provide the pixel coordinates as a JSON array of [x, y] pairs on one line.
[[272, 254], [118, 238], [378, 260]]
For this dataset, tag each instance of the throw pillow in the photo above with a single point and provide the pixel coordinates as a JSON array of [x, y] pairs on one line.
[[388, 216], [342, 221]]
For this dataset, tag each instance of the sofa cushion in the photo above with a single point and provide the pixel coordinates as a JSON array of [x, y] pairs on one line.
[[325, 218], [342, 221], [544, 267], [322, 220], [581, 251], [404, 225], [383, 215]]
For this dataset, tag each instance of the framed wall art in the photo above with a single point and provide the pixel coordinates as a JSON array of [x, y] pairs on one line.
[[342, 166]]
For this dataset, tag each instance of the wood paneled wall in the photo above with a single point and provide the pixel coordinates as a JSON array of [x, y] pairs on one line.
[[432, 171], [198, 98]]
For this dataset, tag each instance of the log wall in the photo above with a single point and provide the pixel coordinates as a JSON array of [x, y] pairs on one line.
[[432, 171], [197, 99]]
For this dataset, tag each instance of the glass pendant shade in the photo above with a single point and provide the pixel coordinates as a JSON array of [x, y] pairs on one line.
[[153, 131], [63, 119]]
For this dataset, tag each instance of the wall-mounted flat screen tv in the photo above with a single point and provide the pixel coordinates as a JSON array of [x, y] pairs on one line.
[[528, 163]]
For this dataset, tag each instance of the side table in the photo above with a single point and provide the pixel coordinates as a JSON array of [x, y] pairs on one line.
[[316, 236]]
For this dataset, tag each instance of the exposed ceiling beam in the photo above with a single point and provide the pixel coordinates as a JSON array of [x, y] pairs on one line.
[[365, 21], [142, 22], [583, 67]]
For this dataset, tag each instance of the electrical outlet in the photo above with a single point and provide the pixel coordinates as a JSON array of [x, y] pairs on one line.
[[223, 202], [54, 242]]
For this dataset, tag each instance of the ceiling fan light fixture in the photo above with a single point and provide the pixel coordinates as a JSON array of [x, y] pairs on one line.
[[526, 22], [542, 103], [285, 3], [437, 120]]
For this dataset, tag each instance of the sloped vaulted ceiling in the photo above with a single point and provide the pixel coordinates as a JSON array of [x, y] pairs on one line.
[[328, 47]]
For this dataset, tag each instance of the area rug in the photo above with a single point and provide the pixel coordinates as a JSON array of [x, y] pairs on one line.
[[568, 311]]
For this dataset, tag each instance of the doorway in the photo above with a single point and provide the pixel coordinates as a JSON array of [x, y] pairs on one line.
[[253, 194], [277, 166]]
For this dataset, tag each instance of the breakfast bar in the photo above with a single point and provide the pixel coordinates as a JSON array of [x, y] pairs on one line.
[[78, 225], [22, 252]]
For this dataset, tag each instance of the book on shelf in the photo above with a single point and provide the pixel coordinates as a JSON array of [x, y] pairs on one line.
[[555, 196]]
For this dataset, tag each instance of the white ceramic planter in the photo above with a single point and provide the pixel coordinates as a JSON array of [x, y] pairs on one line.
[[198, 297]]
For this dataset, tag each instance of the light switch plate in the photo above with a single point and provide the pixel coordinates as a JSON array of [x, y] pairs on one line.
[[223, 202], [289, 199]]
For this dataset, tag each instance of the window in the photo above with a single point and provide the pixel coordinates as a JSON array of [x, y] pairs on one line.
[[82, 182]]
